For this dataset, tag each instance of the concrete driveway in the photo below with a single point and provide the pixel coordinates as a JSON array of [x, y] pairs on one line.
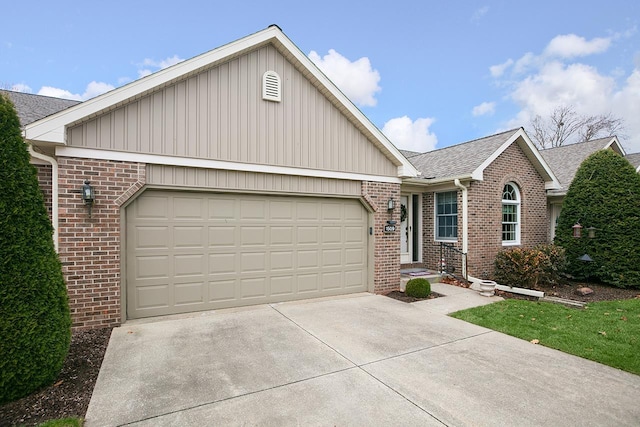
[[358, 360]]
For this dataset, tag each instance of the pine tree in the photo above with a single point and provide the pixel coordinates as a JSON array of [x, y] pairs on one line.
[[35, 324], [605, 195]]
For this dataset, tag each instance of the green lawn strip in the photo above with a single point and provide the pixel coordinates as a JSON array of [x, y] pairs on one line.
[[606, 332], [64, 422]]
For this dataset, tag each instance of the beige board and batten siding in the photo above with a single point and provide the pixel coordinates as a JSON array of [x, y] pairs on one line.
[[189, 251], [177, 176], [219, 114]]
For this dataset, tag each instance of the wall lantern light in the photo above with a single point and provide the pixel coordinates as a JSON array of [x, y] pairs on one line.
[[88, 195], [591, 232], [577, 230], [391, 204]]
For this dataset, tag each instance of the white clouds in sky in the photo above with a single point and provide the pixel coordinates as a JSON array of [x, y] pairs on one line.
[[479, 14], [149, 66], [357, 79], [411, 135], [21, 87], [540, 83], [92, 90], [486, 108]]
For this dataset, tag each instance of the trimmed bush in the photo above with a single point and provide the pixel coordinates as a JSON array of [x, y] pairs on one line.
[[35, 325], [605, 194], [418, 288], [529, 267]]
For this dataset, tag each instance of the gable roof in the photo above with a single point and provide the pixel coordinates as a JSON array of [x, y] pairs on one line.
[[53, 129], [634, 159], [469, 159], [32, 107], [566, 160]]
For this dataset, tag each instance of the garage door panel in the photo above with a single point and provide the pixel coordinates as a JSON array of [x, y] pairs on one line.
[[198, 251], [189, 293], [152, 237], [222, 235], [152, 267], [189, 236]]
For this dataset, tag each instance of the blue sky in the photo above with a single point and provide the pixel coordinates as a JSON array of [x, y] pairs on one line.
[[429, 73]]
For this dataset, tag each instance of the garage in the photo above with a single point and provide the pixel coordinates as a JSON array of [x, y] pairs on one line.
[[190, 251]]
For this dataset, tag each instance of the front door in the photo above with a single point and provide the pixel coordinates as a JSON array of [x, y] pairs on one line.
[[409, 228]]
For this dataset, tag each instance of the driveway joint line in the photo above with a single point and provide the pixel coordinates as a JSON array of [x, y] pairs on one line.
[[213, 402]]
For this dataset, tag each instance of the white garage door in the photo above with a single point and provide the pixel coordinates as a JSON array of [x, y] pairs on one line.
[[193, 251]]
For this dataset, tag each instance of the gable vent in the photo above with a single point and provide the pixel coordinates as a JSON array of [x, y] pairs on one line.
[[271, 86]]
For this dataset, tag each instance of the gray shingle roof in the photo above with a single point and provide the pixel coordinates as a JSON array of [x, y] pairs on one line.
[[408, 153], [32, 107], [564, 161], [459, 160], [634, 159]]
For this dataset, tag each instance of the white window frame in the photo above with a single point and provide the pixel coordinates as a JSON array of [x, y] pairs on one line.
[[436, 216], [511, 202]]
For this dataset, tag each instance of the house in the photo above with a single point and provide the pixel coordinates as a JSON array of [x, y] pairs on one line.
[[634, 159], [479, 197], [565, 161], [241, 176]]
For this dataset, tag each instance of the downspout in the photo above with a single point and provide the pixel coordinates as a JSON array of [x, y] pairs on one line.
[[54, 191], [465, 224]]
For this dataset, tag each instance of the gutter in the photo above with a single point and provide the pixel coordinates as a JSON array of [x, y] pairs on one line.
[[465, 224], [54, 191]]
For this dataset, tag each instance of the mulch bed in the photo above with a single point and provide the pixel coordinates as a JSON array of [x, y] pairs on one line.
[[70, 394], [401, 296], [569, 290]]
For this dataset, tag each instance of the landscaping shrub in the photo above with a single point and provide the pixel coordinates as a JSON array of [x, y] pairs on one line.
[[418, 288], [605, 194], [35, 325], [529, 267]]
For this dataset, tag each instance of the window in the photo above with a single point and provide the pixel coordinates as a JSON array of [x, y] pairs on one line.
[[447, 215], [510, 215]]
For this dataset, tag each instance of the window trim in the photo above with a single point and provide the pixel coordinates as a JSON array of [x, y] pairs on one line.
[[518, 204], [436, 236]]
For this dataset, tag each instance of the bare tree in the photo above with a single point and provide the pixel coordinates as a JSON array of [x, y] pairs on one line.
[[565, 125]]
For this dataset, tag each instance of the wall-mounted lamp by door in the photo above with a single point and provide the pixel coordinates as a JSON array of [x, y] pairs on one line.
[[88, 195]]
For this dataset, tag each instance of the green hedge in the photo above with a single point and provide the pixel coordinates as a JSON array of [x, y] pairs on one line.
[[605, 194], [34, 311]]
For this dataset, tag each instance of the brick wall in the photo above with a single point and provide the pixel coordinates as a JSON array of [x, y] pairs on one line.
[[45, 181], [90, 247], [387, 245], [485, 209]]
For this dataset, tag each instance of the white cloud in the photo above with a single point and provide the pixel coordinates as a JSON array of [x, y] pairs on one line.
[[356, 79], [479, 14], [21, 87], [571, 45], [92, 90], [150, 66], [484, 108], [411, 135], [498, 70]]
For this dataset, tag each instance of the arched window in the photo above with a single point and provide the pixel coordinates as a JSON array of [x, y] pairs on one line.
[[510, 214]]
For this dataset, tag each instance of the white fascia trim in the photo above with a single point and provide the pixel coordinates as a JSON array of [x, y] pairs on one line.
[[429, 182], [615, 141], [551, 182], [90, 153]]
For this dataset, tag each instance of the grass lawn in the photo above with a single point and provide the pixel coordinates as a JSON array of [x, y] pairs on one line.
[[607, 332], [64, 422]]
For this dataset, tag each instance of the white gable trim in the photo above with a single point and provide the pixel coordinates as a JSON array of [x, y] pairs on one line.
[[90, 153], [551, 182], [615, 145], [53, 128]]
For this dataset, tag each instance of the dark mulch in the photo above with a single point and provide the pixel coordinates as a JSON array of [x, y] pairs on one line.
[[569, 290], [70, 394], [401, 296]]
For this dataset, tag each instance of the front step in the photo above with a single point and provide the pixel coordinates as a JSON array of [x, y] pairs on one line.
[[413, 273]]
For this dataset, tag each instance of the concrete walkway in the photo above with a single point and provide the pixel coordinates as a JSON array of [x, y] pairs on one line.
[[358, 360]]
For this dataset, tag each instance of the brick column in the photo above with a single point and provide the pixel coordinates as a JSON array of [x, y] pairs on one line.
[[90, 247], [387, 245]]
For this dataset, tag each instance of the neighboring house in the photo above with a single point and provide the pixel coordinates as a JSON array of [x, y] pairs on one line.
[[480, 196], [634, 159], [565, 161], [241, 176]]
